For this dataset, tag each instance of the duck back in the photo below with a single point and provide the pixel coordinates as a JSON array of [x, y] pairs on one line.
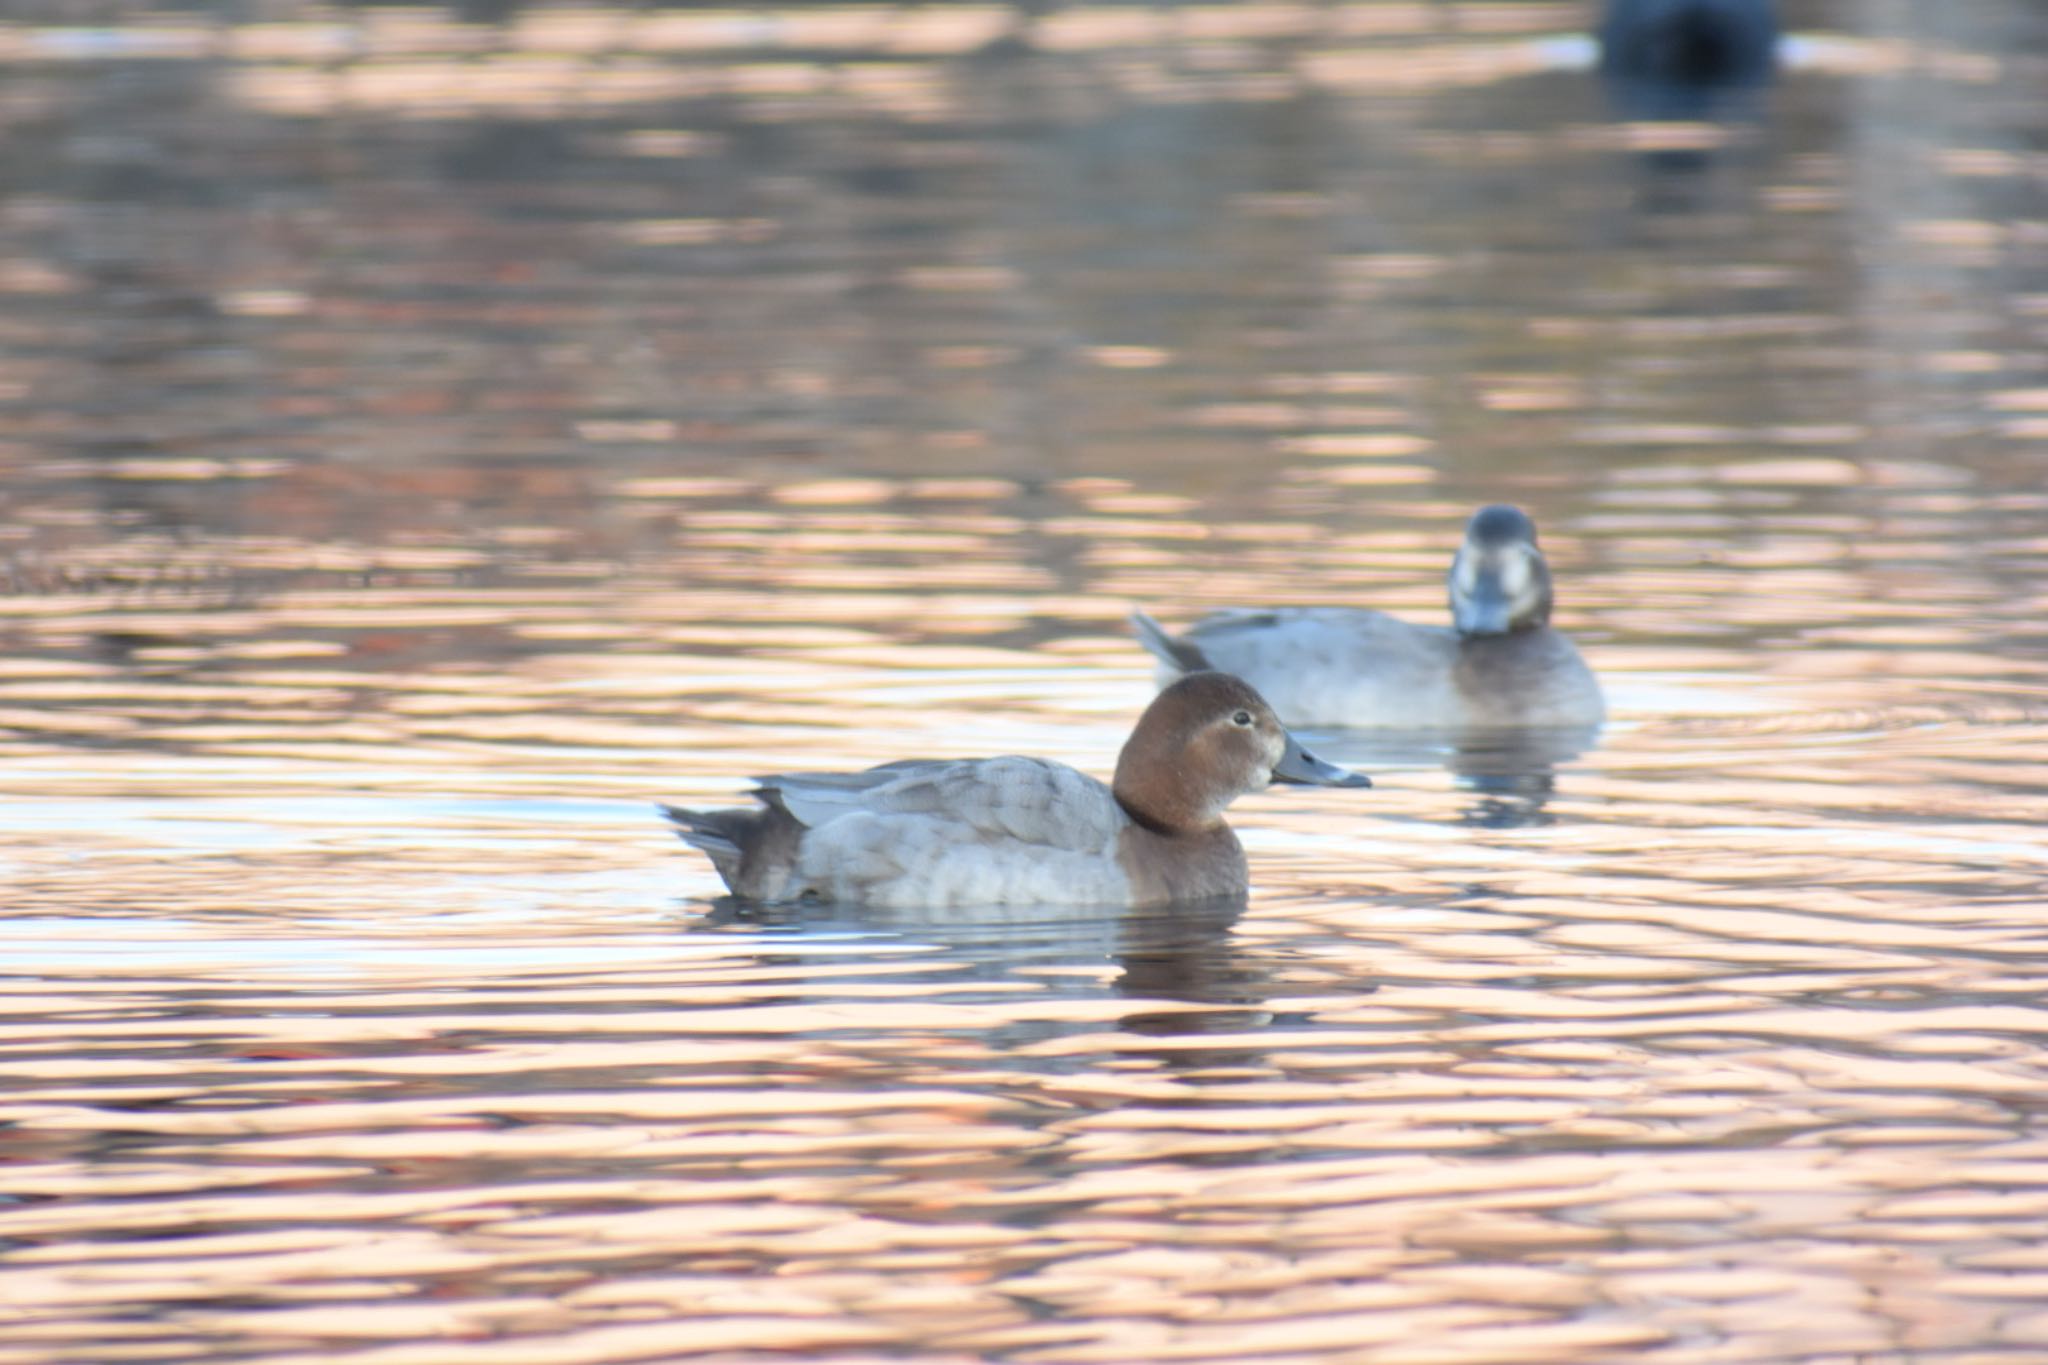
[[1358, 668]]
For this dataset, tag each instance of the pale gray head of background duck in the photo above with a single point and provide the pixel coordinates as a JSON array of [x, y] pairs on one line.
[[1499, 581], [1202, 743]]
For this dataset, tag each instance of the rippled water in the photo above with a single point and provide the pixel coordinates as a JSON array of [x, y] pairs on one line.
[[430, 436]]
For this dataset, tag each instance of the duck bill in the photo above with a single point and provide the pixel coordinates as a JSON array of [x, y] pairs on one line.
[[1485, 611], [1299, 765]]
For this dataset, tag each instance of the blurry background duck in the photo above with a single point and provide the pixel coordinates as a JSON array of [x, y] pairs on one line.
[[1021, 831], [1687, 59], [1499, 665]]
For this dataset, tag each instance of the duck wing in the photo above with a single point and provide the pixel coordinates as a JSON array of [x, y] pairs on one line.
[[1031, 800]]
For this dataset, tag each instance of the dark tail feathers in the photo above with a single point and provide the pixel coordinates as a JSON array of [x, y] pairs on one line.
[[1169, 649], [722, 835]]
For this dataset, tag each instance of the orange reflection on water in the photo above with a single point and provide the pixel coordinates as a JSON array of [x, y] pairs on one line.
[[431, 442]]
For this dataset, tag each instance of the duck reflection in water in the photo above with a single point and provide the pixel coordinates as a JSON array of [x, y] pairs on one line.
[[1188, 954], [1197, 959], [1687, 59], [1185, 953], [1511, 775]]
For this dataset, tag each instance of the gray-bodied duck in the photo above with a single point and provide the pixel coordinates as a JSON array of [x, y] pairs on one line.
[[1016, 831], [1499, 665]]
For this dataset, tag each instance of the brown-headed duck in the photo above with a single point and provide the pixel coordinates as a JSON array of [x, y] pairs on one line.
[[1009, 831]]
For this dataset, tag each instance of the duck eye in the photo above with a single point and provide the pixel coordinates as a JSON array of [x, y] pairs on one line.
[[1241, 718]]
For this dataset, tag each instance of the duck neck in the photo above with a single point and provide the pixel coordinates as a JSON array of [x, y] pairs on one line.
[[1140, 817], [1181, 866], [1160, 799]]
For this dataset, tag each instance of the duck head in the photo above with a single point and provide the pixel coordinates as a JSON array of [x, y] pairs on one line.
[[1202, 743], [1499, 581]]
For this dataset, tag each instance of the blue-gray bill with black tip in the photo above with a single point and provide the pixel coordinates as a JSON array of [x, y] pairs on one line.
[[1299, 765]]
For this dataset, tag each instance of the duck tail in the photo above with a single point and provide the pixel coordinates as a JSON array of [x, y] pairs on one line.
[[721, 835], [1173, 651]]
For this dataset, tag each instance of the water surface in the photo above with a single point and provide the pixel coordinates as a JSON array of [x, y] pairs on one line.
[[429, 436]]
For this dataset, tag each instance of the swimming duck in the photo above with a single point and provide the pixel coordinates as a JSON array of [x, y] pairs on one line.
[[1695, 44], [1501, 666], [1010, 831]]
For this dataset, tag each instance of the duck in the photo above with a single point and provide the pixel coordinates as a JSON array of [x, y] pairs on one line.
[[1690, 44], [924, 833], [1500, 665]]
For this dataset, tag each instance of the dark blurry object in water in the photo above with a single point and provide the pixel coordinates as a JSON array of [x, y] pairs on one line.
[[1686, 59]]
